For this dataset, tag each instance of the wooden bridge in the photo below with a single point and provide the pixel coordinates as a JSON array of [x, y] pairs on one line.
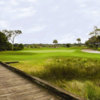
[[17, 85]]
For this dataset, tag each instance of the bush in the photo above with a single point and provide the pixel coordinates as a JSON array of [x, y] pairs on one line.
[[68, 45], [4, 44], [18, 46], [8, 46]]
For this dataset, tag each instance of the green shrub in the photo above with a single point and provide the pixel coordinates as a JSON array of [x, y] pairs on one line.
[[4, 44], [18, 46]]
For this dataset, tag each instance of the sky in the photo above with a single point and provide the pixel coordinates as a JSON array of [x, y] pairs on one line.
[[42, 21]]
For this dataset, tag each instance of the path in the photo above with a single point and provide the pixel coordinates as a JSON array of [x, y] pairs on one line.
[[15, 87]]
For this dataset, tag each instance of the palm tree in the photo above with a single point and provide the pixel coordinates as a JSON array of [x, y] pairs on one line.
[[55, 42], [79, 41]]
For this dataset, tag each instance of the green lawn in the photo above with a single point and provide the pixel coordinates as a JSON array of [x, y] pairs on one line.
[[36, 55], [68, 68]]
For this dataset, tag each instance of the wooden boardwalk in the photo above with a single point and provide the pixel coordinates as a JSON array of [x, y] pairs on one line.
[[15, 87]]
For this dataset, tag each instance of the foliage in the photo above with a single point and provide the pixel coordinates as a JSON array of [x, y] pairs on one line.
[[93, 42], [95, 32], [55, 41], [68, 45], [47, 45], [4, 44], [11, 34], [18, 46], [79, 41]]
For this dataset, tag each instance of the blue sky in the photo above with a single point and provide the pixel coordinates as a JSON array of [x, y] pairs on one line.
[[42, 21]]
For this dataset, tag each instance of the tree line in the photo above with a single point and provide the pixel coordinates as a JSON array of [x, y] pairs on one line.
[[7, 39], [94, 40]]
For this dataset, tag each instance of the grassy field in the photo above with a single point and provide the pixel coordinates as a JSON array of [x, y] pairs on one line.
[[68, 68]]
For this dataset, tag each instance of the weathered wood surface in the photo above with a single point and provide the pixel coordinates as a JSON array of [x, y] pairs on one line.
[[15, 87]]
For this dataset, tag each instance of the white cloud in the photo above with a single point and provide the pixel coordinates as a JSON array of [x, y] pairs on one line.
[[2, 2], [36, 29], [4, 24], [20, 13], [14, 2], [95, 13], [26, 12], [67, 38], [29, 1], [55, 8], [34, 1], [83, 5]]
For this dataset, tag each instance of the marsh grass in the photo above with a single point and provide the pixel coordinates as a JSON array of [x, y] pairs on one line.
[[72, 68], [77, 75], [93, 93]]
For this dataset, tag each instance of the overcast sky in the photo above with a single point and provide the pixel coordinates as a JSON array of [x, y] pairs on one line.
[[42, 21]]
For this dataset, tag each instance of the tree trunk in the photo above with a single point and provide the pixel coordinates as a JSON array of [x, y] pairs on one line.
[[13, 44]]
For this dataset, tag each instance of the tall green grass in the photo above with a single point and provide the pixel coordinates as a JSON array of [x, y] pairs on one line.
[[80, 76], [72, 68], [93, 92]]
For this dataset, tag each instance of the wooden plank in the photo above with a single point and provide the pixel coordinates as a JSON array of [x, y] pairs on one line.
[[20, 89]]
